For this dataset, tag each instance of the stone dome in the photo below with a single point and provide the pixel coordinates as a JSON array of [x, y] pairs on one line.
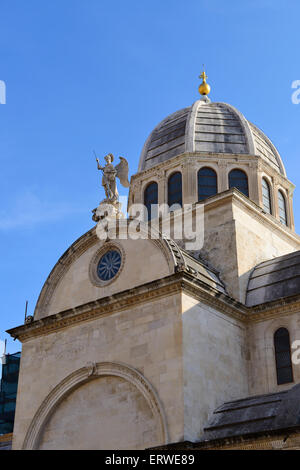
[[207, 127]]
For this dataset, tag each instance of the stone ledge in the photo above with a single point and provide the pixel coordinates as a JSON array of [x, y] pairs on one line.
[[176, 283], [180, 282]]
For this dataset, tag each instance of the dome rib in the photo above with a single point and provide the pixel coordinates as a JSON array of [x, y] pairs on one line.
[[218, 130], [266, 149], [207, 128], [167, 140], [246, 127]]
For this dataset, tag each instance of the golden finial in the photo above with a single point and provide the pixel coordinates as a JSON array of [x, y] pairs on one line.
[[204, 88]]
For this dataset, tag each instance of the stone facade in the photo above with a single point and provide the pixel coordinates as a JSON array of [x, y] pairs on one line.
[[129, 339], [214, 362], [144, 359], [190, 163]]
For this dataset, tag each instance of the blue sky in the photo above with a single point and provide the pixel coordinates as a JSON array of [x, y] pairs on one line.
[[95, 74]]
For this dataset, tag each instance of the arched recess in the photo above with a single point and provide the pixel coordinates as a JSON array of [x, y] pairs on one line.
[[282, 208], [175, 189], [266, 195], [238, 179], [282, 346], [91, 372], [151, 199], [207, 183]]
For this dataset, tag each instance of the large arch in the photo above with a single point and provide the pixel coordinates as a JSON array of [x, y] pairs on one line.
[[86, 374]]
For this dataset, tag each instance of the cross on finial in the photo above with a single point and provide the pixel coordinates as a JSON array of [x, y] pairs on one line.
[[204, 88], [203, 76]]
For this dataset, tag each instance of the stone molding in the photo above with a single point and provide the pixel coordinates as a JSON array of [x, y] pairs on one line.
[[180, 282], [269, 220], [92, 310], [269, 440], [199, 157], [94, 278], [277, 307], [81, 376], [254, 163], [174, 284], [75, 251], [253, 209], [260, 443]]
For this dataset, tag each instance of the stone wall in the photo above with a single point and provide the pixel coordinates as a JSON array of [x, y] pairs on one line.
[[147, 338], [214, 363], [73, 285], [106, 413], [238, 236], [262, 370]]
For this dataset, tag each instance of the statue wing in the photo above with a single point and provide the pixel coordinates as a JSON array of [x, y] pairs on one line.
[[122, 172]]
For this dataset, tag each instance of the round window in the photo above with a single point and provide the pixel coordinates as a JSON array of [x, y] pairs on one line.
[[109, 265]]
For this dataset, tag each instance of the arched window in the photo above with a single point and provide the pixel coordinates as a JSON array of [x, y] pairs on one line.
[[238, 179], [175, 189], [150, 198], [207, 183], [282, 346], [282, 208], [266, 196]]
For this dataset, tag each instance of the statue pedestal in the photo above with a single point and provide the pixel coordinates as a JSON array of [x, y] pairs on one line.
[[108, 216], [108, 210]]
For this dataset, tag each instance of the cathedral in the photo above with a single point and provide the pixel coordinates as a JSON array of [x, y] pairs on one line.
[[156, 342]]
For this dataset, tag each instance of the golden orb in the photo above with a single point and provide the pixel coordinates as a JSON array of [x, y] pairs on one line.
[[204, 88]]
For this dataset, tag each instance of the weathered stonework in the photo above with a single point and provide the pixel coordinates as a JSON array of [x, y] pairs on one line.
[[149, 357]]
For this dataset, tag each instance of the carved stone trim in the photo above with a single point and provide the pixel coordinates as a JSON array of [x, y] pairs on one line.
[[255, 210], [76, 249], [84, 375], [267, 219], [74, 252], [95, 280], [174, 284]]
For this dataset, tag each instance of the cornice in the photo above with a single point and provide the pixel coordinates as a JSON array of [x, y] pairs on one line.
[[208, 156], [218, 301], [98, 308], [73, 252], [266, 219], [235, 196], [189, 157], [242, 201], [273, 439], [178, 283], [263, 166], [271, 310]]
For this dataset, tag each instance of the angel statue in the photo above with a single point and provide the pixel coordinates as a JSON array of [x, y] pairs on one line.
[[109, 177]]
